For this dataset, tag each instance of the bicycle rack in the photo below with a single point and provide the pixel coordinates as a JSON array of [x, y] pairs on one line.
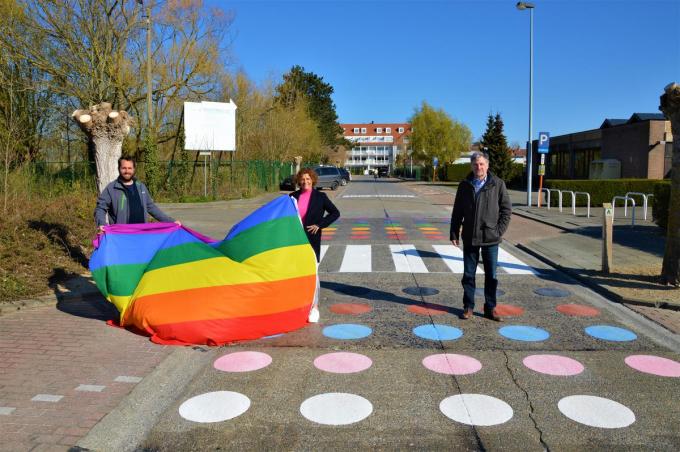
[[625, 211], [588, 198], [644, 201]]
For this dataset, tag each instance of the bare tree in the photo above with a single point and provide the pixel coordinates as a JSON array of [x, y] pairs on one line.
[[92, 51], [106, 129], [670, 271]]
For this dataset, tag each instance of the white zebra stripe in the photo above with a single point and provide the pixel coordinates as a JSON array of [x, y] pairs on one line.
[[357, 259], [407, 260], [324, 248], [510, 264]]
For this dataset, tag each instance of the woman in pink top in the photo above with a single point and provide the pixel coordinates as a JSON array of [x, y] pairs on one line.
[[316, 210]]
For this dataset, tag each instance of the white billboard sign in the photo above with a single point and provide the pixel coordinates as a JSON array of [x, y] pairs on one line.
[[210, 126]]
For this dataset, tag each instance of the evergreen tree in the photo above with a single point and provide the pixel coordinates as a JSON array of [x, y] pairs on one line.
[[298, 83], [496, 144]]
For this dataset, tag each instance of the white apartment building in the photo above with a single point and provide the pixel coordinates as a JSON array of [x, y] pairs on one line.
[[375, 145]]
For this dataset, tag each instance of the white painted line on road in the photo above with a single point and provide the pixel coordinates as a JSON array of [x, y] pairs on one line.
[[452, 256], [510, 264], [357, 259], [324, 248], [407, 260]]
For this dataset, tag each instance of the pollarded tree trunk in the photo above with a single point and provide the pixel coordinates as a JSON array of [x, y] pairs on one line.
[[670, 106], [105, 129]]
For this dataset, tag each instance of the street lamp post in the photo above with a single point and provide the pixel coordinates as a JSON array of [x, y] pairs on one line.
[[530, 6]]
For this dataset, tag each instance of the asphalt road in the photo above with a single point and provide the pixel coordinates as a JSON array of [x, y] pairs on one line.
[[423, 379]]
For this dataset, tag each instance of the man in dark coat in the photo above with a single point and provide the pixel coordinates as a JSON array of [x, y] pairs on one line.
[[126, 200], [483, 208]]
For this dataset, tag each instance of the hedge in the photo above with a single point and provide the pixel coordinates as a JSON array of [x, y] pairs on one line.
[[602, 190], [662, 198]]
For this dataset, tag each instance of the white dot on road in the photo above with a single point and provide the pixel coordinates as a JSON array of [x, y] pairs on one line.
[[214, 406], [476, 409], [596, 411], [336, 408]]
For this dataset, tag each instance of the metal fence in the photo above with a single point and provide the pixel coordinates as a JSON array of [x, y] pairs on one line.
[[209, 179]]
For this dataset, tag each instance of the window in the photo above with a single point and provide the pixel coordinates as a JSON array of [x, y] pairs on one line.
[[388, 129], [356, 130], [378, 130], [401, 130], [363, 130]]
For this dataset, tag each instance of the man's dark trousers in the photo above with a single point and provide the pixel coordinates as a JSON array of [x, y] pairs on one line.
[[470, 261]]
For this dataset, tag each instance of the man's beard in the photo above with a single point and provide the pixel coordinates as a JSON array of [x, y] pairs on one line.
[[126, 178]]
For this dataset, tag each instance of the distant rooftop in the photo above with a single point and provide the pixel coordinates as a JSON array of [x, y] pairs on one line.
[[636, 117]]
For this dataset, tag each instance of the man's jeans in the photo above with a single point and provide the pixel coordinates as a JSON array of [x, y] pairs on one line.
[[470, 261]]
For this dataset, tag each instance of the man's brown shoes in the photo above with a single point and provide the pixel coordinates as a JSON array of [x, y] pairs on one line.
[[491, 315], [467, 313]]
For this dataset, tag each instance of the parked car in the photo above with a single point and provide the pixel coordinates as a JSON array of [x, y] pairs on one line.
[[346, 176], [288, 183], [383, 172], [329, 177]]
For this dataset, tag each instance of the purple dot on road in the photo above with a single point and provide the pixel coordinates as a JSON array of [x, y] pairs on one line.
[[342, 362], [242, 361], [655, 365], [452, 364], [553, 365]]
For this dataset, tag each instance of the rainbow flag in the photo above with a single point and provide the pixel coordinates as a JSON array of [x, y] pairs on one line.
[[181, 287]]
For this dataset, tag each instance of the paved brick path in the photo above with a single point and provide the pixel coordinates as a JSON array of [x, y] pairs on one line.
[[62, 369]]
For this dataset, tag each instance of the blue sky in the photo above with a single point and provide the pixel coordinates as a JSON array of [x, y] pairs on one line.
[[593, 59]]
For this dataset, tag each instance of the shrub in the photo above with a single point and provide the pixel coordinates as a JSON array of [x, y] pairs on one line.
[[602, 190], [662, 198]]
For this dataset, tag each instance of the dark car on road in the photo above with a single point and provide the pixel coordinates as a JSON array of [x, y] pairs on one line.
[[383, 172], [346, 176]]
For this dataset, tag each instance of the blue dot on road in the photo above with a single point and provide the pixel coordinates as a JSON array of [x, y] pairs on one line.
[[347, 331], [611, 333], [524, 333], [438, 332]]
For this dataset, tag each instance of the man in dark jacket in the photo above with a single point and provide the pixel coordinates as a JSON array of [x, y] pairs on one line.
[[483, 208], [126, 200]]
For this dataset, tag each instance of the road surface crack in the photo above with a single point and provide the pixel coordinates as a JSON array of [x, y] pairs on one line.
[[531, 405]]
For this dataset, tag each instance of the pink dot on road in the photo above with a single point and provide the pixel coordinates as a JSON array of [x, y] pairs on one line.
[[452, 364], [343, 362], [578, 310], [553, 365], [242, 361], [655, 365]]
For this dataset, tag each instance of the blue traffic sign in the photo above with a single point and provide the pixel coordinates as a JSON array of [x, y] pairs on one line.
[[435, 161], [543, 142]]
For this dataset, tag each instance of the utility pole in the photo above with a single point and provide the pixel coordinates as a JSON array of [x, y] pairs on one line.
[[149, 88]]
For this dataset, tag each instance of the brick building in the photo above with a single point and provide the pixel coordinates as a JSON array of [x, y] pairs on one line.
[[640, 146], [376, 145]]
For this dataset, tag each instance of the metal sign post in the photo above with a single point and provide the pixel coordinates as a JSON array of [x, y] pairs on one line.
[[435, 162], [543, 148], [607, 236], [205, 155]]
